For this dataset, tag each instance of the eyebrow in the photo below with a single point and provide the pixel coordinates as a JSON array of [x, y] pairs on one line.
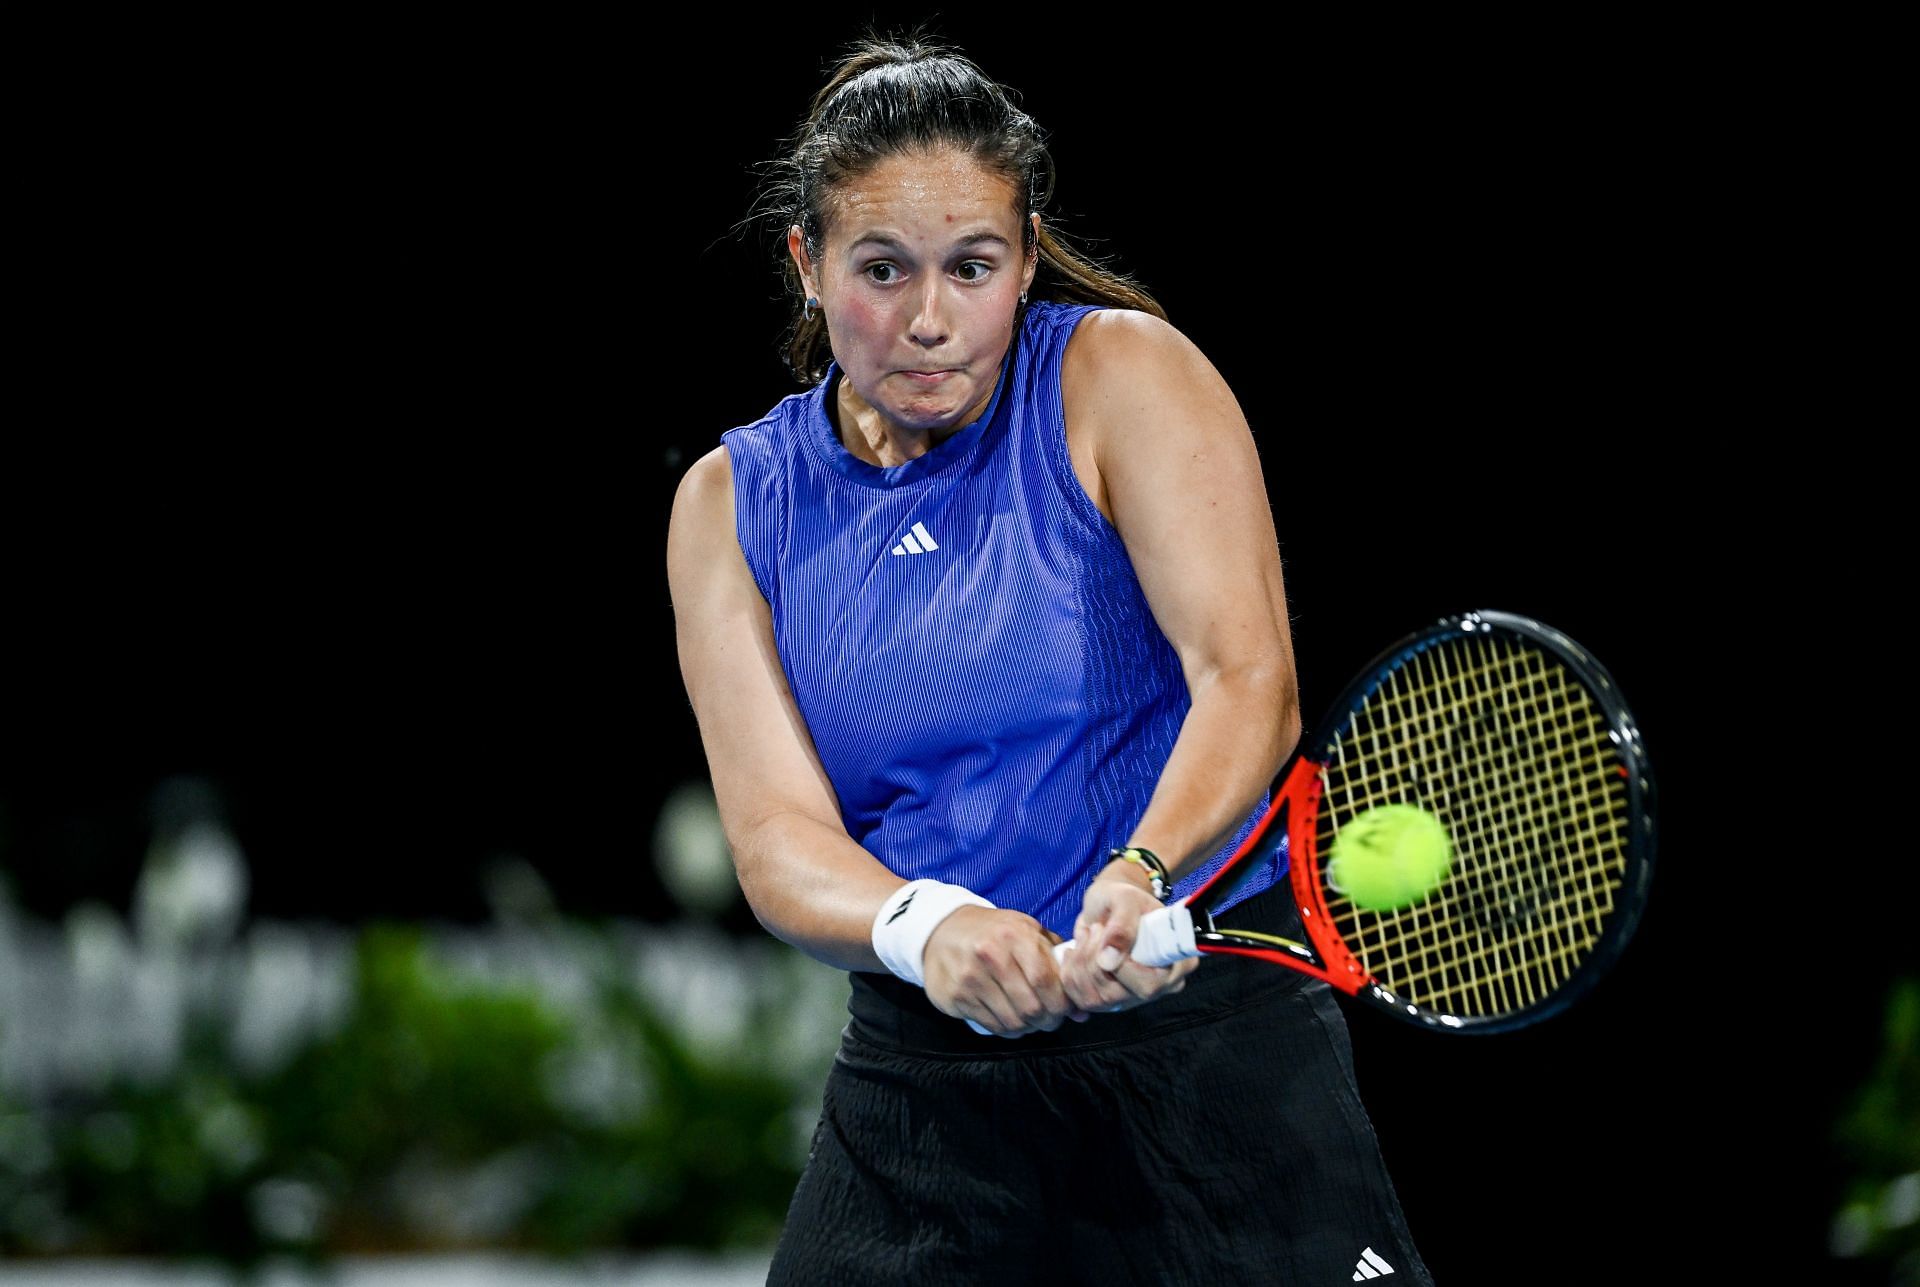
[[967, 242]]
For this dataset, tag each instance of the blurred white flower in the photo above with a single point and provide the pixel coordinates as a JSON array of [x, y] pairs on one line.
[[193, 889], [690, 851], [287, 1210], [1900, 1204], [518, 893]]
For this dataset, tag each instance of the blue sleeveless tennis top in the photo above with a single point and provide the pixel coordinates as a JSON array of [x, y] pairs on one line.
[[966, 639]]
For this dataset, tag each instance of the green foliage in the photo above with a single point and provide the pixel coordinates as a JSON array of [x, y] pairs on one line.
[[423, 1062], [444, 1112], [1879, 1136]]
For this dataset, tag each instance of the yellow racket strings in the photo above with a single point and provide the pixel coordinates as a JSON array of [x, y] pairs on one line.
[[1498, 739]]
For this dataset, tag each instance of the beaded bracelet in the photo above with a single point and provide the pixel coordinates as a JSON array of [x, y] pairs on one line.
[[1156, 870]]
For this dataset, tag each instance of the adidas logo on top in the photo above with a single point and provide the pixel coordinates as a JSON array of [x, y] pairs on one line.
[[1370, 1266], [917, 541]]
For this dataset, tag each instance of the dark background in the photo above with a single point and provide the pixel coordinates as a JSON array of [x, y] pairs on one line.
[[371, 360]]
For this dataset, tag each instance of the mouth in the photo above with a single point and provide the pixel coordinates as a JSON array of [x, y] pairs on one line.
[[926, 377]]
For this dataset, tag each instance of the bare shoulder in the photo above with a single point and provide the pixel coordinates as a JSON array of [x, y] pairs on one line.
[[703, 503], [707, 483], [701, 528], [1123, 367], [1122, 344], [1134, 385]]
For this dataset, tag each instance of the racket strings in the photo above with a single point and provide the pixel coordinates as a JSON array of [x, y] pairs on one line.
[[1509, 749], [1494, 964], [1493, 967], [1508, 881]]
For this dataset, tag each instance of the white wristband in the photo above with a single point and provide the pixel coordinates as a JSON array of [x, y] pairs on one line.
[[907, 920]]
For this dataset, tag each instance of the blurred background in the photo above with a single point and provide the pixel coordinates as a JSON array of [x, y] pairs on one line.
[[362, 899]]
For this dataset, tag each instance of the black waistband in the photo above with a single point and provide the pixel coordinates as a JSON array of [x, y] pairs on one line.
[[891, 1013]]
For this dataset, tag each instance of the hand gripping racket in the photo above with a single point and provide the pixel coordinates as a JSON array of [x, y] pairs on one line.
[[1518, 741]]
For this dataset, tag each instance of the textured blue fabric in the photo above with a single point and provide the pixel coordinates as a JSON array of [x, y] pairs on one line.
[[995, 708]]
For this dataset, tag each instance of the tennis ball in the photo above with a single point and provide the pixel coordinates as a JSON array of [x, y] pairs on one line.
[[1389, 857]]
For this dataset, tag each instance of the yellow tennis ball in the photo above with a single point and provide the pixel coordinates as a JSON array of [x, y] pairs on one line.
[[1389, 857]]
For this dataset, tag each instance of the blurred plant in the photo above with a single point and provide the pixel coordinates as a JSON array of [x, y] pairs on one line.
[[446, 1109], [1879, 1136]]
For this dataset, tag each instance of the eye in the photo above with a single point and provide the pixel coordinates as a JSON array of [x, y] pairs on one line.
[[881, 266], [984, 268]]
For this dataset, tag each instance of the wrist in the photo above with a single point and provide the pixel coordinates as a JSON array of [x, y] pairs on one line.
[[1144, 867], [908, 918]]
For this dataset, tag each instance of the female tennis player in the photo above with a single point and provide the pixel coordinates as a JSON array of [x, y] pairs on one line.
[[987, 640]]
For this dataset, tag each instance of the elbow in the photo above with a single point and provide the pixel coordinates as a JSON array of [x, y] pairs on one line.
[[771, 908], [1291, 728], [1257, 689], [774, 925], [1274, 689], [745, 845], [759, 852], [1288, 727]]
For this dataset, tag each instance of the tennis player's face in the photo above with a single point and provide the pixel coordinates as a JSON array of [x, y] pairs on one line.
[[918, 281]]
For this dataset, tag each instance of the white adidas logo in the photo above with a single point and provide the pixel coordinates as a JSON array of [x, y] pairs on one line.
[[917, 541], [1370, 1266]]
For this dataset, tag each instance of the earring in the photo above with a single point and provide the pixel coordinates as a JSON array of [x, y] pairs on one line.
[[806, 314], [1023, 299]]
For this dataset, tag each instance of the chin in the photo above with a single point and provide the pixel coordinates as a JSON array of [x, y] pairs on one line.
[[912, 420], [947, 417]]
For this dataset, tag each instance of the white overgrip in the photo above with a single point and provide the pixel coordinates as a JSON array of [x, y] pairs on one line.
[[1165, 936]]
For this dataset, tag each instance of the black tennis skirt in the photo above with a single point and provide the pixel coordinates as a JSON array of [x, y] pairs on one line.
[[1214, 1135]]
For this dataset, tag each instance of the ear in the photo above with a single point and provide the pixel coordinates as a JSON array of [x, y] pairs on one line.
[[1033, 256], [797, 247]]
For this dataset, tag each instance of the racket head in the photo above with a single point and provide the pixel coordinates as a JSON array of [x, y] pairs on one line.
[[1519, 741]]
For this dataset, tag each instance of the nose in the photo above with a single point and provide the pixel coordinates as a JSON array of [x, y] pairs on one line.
[[929, 324]]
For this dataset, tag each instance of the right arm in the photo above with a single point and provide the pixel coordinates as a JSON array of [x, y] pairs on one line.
[[807, 881]]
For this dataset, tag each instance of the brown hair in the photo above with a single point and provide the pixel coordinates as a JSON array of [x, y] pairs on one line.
[[889, 96]]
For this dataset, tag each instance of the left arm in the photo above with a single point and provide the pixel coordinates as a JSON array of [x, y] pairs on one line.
[[1163, 449]]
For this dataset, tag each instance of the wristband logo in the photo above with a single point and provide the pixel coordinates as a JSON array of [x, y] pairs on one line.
[[902, 910]]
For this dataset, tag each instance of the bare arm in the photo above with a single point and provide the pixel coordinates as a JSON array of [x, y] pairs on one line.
[[805, 878], [1166, 453]]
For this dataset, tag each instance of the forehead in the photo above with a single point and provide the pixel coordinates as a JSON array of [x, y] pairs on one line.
[[927, 190]]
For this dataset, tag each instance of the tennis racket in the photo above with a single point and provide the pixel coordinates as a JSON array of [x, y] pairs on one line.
[[1519, 743]]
